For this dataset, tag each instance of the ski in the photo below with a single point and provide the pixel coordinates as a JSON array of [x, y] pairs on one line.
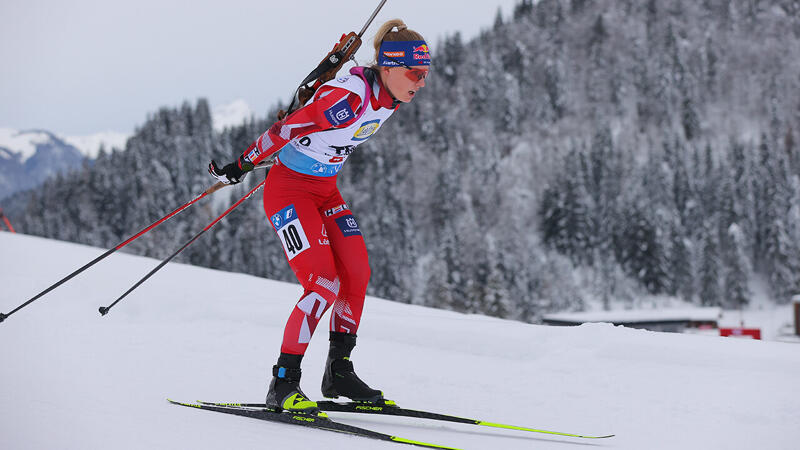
[[319, 422], [389, 408]]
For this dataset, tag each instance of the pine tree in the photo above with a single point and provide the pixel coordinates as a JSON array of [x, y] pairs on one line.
[[711, 71], [553, 84], [494, 298], [689, 119], [710, 272], [523, 8], [742, 178], [639, 251], [792, 153], [451, 56], [737, 270], [498, 20], [781, 249], [682, 273], [564, 211]]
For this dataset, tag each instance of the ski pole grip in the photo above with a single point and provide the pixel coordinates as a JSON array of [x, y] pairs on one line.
[[217, 186]]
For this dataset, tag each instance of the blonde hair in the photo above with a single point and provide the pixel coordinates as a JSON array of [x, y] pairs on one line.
[[387, 33]]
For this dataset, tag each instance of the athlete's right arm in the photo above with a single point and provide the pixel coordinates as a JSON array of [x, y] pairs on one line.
[[332, 107]]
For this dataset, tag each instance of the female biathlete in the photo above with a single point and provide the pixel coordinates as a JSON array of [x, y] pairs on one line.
[[320, 236]]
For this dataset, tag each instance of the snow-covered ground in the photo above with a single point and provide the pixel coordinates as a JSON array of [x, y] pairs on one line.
[[775, 323], [72, 379]]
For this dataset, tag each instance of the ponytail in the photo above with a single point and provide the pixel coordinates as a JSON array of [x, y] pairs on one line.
[[387, 32]]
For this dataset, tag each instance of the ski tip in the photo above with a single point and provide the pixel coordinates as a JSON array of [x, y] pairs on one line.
[[193, 405], [584, 436], [594, 437], [597, 437]]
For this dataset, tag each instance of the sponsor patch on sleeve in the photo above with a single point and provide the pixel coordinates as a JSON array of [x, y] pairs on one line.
[[339, 113]]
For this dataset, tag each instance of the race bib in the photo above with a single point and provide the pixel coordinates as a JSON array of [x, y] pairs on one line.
[[290, 231]]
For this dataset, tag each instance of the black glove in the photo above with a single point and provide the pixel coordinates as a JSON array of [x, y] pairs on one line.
[[232, 173]]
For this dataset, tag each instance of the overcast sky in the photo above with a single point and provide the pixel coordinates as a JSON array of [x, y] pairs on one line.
[[84, 66]]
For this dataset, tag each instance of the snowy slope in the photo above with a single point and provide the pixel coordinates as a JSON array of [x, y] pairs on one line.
[[72, 379]]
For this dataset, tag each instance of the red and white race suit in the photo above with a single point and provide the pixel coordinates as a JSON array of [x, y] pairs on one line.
[[319, 233]]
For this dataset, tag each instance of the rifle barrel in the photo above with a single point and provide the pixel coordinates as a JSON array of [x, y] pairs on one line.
[[371, 18]]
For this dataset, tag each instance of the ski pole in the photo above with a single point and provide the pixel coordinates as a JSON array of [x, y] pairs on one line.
[[104, 309], [217, 186], [210, 190]]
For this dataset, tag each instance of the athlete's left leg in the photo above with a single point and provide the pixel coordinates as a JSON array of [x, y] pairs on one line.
[[352, 266]]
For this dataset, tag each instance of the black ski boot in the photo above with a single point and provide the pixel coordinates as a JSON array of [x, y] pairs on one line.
[[284, 390], [340, 378]]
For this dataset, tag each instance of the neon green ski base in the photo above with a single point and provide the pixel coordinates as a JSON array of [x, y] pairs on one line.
[[533, 430]]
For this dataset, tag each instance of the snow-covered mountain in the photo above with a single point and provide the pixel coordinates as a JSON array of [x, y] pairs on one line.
[[23, 144], [28, 157], [75, 380], [90, 144]]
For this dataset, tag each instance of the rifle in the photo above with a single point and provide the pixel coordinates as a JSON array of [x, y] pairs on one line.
[[343, 51]]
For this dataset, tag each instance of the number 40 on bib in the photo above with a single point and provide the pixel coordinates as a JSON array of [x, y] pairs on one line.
[[290, 231]]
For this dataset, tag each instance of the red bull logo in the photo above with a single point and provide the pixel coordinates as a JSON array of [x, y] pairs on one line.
[[420, 54], [422, 48]]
